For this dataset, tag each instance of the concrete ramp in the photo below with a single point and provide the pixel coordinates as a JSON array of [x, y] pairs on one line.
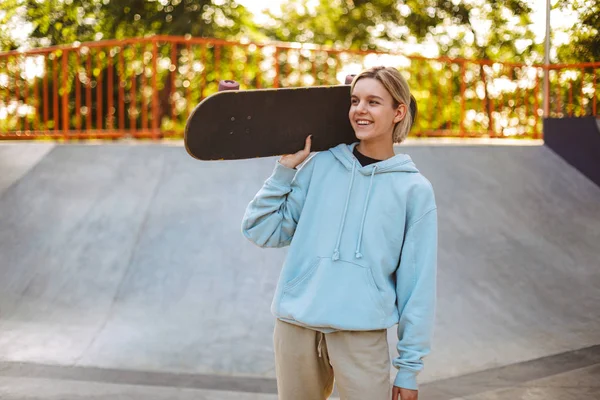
[[519, 261], [130, 257]]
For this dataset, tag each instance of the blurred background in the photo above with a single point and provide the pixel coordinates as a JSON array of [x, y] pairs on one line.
[[123, 272], [89, 69]]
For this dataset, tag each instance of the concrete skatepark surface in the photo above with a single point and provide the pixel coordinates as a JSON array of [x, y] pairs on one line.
[[126, 258]]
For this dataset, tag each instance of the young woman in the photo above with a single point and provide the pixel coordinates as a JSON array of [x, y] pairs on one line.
[[361, 223]]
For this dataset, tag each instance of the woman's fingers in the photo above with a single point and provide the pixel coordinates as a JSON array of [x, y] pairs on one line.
[[293, 160], [308, 143], [306, 149]]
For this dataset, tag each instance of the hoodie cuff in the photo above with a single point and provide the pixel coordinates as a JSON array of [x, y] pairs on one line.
[[406, 379], [282, 175]]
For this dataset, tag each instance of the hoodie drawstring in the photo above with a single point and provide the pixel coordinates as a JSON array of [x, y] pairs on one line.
[[358, 254], [320, 345], [336, 252]]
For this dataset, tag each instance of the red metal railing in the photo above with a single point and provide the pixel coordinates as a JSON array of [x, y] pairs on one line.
[[145, 88]]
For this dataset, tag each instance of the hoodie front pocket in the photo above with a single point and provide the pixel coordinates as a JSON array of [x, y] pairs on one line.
[[337, 294]]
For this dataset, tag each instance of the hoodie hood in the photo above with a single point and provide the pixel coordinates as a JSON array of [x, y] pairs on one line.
[[398, 163]]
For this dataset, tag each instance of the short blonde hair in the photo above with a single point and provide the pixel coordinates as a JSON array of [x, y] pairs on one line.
[[398, 88]]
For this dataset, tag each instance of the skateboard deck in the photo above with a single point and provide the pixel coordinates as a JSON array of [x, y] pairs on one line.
[[241, 124]]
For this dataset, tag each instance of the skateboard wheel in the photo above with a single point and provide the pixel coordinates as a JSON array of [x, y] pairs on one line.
[[349, 79], [228, 85]]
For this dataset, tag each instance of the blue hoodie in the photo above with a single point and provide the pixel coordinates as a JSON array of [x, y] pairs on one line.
[[363, 248]]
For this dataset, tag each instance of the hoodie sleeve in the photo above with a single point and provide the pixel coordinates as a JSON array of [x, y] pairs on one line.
[[416, 296], [271, 217]]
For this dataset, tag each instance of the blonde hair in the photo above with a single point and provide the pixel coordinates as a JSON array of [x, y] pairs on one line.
[[398, 88]]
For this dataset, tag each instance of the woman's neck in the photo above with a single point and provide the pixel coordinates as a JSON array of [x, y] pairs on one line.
[[377, 150]]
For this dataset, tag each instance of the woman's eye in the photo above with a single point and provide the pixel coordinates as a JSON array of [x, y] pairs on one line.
[[354, 101], [374, 102]]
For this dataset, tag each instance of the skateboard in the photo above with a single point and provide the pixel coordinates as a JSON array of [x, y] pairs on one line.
[[235, 124]]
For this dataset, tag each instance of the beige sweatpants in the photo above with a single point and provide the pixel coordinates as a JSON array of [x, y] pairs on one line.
[[306, 362]]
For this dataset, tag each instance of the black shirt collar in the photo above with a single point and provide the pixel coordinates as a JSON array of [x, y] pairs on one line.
[[362, 159]]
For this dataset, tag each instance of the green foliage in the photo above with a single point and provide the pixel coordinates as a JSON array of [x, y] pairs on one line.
[[495, 29], [8, 10], [340, 23], [584, 45], [68, 21], [134, 18]]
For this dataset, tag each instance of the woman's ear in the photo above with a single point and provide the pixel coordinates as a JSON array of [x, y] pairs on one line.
[[400, 113]]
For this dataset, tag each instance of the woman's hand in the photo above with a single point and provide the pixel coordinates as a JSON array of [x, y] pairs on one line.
[[293, 160], [404, 394]]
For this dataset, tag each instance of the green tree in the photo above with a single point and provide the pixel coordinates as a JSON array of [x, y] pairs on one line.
[[340, 23], [68, 21], [584, 45], [205, 18], [7, 19], [495, 29]]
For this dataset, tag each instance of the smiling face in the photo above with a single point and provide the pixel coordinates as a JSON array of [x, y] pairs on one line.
[[373, 113]]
